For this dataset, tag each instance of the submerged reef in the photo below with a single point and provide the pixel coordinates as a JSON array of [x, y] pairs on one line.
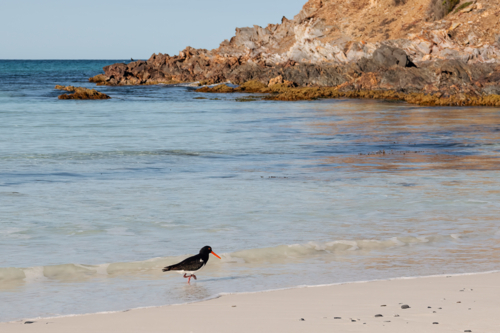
[[80, 93], [285, 93]]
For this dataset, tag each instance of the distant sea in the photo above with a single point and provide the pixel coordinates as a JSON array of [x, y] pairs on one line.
[[97, 196]]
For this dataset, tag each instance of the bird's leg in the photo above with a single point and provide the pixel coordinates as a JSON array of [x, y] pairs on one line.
[[185, 275], [194, 277], [189, 279]]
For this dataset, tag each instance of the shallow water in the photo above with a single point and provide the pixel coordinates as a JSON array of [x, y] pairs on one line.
[[97, 196]]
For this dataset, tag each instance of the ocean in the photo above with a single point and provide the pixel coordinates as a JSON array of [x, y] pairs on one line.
[[97, 196]]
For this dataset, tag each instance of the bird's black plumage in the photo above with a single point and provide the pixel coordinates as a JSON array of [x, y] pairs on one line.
[[193, 263]]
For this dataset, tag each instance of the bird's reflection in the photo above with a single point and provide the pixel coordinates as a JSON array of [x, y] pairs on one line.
[[192, 292]]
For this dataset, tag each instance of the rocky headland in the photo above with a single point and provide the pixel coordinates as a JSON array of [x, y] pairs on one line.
[[446, 49]]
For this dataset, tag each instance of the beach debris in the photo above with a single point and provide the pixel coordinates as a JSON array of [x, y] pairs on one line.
[[353, 320], [29, 322], [378, 315], [302, 319], [435, 323], [80, 93], [468, 331], [383, 305], [405, 306], [337, 317], [429, 307]]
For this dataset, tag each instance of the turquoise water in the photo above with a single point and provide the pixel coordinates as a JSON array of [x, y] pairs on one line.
[[97, 196]]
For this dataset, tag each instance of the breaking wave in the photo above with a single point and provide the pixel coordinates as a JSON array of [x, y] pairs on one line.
[[281, 254]]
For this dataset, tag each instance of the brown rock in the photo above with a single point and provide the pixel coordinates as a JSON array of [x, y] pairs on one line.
[[253, 86], [277, 80], [66, 88], [221, 88], [82, 93], [100, 79]]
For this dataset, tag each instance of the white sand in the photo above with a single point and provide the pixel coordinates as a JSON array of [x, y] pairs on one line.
[[458, 303]]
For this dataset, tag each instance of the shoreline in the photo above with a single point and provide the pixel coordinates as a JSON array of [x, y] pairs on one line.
[[283, 92], [380, 288]]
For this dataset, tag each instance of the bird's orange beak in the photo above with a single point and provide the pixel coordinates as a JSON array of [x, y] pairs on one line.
[[215, 254]]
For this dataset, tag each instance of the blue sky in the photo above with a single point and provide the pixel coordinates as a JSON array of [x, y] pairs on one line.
[[112, 29]]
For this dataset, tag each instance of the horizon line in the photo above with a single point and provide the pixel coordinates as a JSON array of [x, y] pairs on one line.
[[66, 59]]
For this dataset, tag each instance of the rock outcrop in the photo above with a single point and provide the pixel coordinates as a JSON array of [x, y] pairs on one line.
[[413, 46], [80, 93]]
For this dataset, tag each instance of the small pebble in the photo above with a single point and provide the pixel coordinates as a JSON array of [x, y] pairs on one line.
[[383, 305], [337, 318], [378, 315], [396, 315], [467, 331], [433, 311], [459, 302], [440, 308], [387, 321], [352, 320], [234, 306], [302, 319], [405, 306], [435, 323], [429, 307], [29, 322]]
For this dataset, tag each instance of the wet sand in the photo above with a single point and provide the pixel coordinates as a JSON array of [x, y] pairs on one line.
[[436, 304]]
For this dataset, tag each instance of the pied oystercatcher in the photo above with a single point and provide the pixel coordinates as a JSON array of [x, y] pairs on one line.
[[192, 264]]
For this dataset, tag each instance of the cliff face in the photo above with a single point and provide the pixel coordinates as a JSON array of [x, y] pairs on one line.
[[409, 45], [339, 31]]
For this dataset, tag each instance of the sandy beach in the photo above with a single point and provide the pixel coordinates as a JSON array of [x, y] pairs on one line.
[[464, 303]]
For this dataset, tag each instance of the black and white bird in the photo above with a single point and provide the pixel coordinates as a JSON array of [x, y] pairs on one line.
[[192, 264]]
